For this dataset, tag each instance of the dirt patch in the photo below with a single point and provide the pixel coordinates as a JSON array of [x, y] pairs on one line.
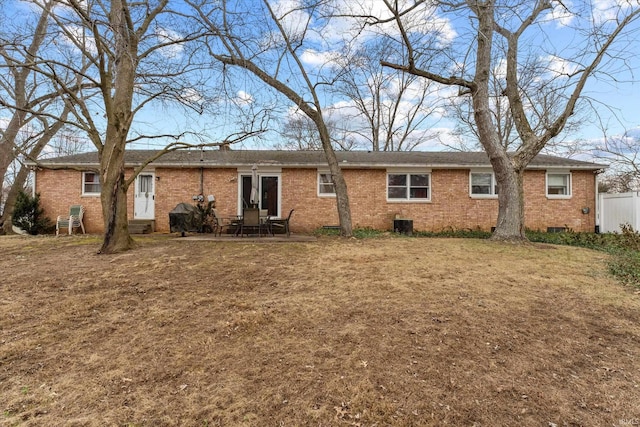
[[402, 332]]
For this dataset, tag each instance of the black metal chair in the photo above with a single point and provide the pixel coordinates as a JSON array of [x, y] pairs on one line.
[[282, 224]]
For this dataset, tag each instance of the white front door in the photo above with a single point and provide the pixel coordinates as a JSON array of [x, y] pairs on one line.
[[144, 203]]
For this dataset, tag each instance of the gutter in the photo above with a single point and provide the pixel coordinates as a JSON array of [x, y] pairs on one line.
[[344, 165]]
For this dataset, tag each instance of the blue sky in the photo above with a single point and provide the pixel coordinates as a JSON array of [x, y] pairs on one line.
[[617, 93], [614, 94]]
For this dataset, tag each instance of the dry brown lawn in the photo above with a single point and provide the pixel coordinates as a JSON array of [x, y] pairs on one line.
[[376, 332]]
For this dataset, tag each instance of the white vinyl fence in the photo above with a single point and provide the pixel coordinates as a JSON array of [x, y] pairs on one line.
[[617, 209]]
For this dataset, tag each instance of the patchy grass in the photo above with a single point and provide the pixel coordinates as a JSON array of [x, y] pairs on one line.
[[375, 332], [623, 247]]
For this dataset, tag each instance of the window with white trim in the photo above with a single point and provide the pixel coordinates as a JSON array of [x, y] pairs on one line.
[[558, 185], [483, 184], [326, 187], [90, 184], [408, 186]]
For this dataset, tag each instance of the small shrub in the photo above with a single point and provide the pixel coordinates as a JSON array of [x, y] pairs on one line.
[[625, 260], [570, 238], [625, 265], [466, 233], [327, 231], [367, 232], [360, 233], [29, 216], [630, 239]]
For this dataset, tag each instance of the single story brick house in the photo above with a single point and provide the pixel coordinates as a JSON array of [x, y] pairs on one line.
[[437, 190]]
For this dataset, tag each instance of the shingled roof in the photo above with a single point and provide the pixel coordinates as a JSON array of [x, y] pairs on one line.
[[315, 159]]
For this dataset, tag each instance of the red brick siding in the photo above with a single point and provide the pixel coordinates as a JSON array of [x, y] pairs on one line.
[[180, 185], [541, 212], [450, 205], [61, 189]]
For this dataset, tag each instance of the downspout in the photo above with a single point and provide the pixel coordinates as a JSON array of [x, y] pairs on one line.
[[202, 170], [597, 201], [33, 186]]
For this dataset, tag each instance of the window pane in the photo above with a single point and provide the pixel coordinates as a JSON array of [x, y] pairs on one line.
[[145, 183], [91, 182], [397, 193], [480, 189], [326, 189], [325, 184], [480, 183], [558, 184], [559, 191], [397, 179], [558, 180], [419, 193], [420, 180], [481, 179], [92, 188]]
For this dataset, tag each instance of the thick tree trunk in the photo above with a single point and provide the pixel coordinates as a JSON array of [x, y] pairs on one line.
[[342, 195], [10, 203], [7, 155], [510, 225], [118, 99], [114, 204], [342, 200]]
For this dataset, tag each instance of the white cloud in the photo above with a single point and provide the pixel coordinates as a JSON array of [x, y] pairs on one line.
[[80, 38], [608, 10], [437, 139], [423, 20], [170, 51], [561, 13], [319, 59], [292, 16], [192, 96], [560, 67], [295, 20], [500, 70], [244, 98]]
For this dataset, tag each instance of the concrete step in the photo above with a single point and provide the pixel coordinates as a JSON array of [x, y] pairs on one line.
[[141, 226]]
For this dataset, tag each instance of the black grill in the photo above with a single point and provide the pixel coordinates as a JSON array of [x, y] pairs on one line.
[[183, 218]]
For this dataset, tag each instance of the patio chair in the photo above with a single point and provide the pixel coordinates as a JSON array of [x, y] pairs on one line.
[[73, 220], [250, 221], [221, 224], [282, 224]]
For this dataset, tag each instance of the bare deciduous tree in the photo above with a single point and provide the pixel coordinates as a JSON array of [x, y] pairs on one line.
[[132, 54], [43, 138], [504, 30], [388, 109], [543, 103], [301, 133], [36, 110], [269, 43], [623, 155]]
